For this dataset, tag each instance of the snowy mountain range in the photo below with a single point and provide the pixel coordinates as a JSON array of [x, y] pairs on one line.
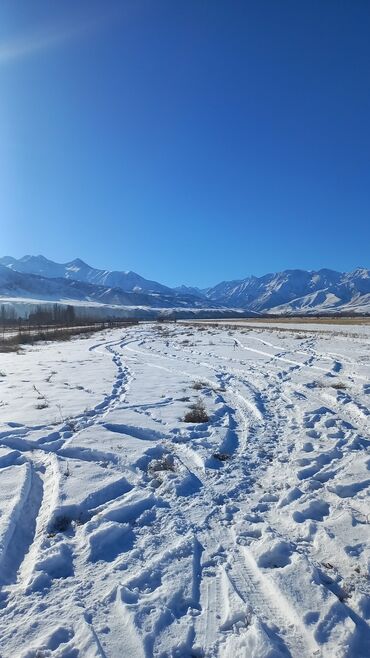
[[21, 285], [298, 291], [290, 291], [77, 270]]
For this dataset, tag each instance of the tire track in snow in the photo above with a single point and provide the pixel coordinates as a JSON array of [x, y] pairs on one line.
[[263, 595], [50, 480], [248, 583], [25, 525], [31, 524]]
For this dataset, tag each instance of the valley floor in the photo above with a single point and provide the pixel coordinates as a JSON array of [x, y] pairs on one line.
[[127, 532]]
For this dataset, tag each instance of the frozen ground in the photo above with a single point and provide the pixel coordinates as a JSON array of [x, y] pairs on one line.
[[126, 532]]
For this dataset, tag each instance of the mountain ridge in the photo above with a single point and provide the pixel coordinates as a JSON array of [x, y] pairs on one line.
[[14, 284], [80, 271], [288, 291], [293, 289]]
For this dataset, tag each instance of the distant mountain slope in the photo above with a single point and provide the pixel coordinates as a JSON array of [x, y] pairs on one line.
[[32, 286], [290, 291], [189, 290], [80, 271], [295, 291]]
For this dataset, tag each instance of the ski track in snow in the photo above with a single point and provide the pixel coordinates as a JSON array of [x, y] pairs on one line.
[[126, 531]]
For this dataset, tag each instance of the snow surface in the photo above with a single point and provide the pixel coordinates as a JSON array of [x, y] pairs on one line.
[[125, 531], [359, 328]]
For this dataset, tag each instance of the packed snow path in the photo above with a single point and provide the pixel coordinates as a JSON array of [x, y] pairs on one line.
[[127, 532]]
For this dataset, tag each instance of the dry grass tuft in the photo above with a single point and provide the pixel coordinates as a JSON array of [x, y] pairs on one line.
[[197, 413]]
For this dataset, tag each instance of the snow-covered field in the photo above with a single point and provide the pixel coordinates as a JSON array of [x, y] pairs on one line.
[[359, 328], [127, 532]]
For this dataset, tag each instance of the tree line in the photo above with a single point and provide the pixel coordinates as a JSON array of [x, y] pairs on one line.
[[41, 315]]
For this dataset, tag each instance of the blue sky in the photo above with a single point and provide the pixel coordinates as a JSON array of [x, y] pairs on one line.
[[191, 141]]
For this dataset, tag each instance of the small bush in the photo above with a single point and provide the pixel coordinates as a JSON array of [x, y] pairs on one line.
[[71, 424], [198, 385], [9, 348], [337, 385], [221, 456], [197, 413], [165, 464]]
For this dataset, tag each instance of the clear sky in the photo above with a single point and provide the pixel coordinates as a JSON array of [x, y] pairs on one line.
[[192, 141]]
